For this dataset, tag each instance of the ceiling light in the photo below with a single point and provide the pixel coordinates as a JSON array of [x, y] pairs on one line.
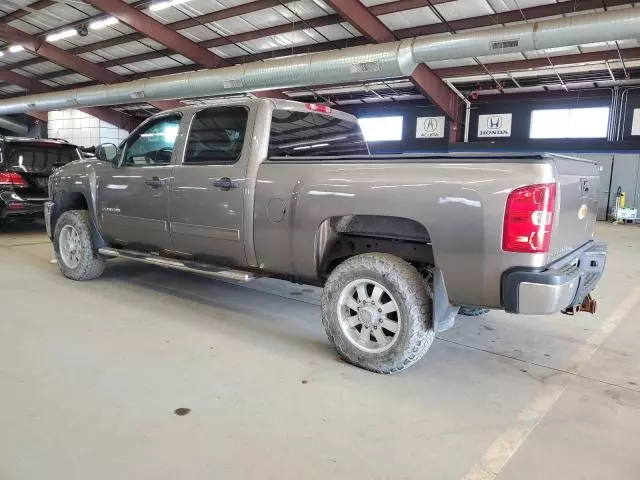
[[16, 48], [105, 22], [1, 53], [70, 32], [155, 7]]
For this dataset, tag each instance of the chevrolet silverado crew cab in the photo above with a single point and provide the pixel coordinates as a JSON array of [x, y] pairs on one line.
[[25, 166], [399, 243]]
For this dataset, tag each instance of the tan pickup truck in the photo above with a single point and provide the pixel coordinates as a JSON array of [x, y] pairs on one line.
[[400, 243]]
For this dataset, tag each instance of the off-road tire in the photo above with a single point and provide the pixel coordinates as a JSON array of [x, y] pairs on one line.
[[414, 298], [91, 264], [472, 312]]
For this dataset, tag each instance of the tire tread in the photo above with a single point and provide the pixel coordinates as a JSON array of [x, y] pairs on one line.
[[92, 264], [414, 292]]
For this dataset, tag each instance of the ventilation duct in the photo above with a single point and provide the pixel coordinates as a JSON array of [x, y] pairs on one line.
[[13, 126], [369, 62]]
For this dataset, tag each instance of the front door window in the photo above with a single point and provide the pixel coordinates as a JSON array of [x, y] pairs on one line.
[[152, 145]]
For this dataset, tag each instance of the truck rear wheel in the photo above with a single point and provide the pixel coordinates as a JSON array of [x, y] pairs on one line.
[[77, 257], [376, 310]]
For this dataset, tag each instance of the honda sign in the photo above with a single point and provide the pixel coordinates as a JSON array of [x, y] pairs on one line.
[[494, 125]]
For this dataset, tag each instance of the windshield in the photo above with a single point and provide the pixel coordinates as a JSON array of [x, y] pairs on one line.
[[31, 157], [309, 134]]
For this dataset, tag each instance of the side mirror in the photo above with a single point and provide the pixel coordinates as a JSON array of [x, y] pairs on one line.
[[106, 152]]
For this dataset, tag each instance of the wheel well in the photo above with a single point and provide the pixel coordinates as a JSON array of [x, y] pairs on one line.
[[341, 237], [66, 201]]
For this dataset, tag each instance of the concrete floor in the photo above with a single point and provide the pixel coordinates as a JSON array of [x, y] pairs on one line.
[[92, 373]]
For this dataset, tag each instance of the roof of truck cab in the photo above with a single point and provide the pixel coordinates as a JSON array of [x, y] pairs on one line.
[[278, 104]]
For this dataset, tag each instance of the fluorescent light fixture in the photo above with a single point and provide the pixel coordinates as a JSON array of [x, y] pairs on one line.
[[54, 37], [1, 53], [318, 145], [105, 22], [156, 7], [16, 48]]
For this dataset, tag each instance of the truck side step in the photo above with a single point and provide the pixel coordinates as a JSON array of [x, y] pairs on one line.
[[193, 267]]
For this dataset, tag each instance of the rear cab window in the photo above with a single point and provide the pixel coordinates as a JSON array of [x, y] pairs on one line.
[[311, 134]]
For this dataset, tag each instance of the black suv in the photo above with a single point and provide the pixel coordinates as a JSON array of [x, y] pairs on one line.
[[25, 166]]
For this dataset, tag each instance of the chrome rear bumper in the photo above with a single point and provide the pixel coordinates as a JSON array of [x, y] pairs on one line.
[[563, 284]]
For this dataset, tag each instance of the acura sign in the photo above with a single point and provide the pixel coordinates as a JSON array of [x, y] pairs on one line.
[[430, 127], [494, 125]]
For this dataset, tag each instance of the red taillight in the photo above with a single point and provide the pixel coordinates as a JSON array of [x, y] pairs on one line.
[[528, 219], [12, 178]]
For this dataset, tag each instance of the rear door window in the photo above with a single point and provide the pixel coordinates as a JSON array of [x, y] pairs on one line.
[[216, 136], [310, 134]]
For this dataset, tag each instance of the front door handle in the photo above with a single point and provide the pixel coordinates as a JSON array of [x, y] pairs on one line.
[[226, 184], [155, 182]]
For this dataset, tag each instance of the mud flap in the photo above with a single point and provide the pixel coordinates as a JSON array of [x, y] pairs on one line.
[[444, 314]]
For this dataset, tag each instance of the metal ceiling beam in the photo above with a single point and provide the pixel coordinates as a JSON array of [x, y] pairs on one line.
[[449, 72], [22, 12], [391, 60], [216, 42], [164, 35], [535, 63], [474, 22], [363, 20], [159, 32], [57, 55], [181, 24], [511, 16], [505, 17], [12, 78], [402, 5], [66, 59], [429, 84], [251, 7], [108, 115]]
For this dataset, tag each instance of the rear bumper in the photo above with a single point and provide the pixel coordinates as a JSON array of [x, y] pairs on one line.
[[564, 283], [13, 205], [48, 210]]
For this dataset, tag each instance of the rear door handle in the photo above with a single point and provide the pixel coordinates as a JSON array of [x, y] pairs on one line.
[[155, 182], [225, 183]]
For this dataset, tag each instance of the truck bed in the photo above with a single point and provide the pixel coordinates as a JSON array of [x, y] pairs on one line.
[[459, 199]]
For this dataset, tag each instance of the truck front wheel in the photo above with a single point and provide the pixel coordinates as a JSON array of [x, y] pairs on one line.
[[376, 310], [73, 246]]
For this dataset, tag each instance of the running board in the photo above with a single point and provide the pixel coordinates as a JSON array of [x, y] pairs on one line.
[[211, 271]]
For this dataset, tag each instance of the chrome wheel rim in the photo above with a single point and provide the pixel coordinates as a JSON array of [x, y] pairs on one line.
[[369, 316], [70, 246]]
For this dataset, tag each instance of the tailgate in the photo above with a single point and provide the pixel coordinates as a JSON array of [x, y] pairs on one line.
[[576, 204]]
